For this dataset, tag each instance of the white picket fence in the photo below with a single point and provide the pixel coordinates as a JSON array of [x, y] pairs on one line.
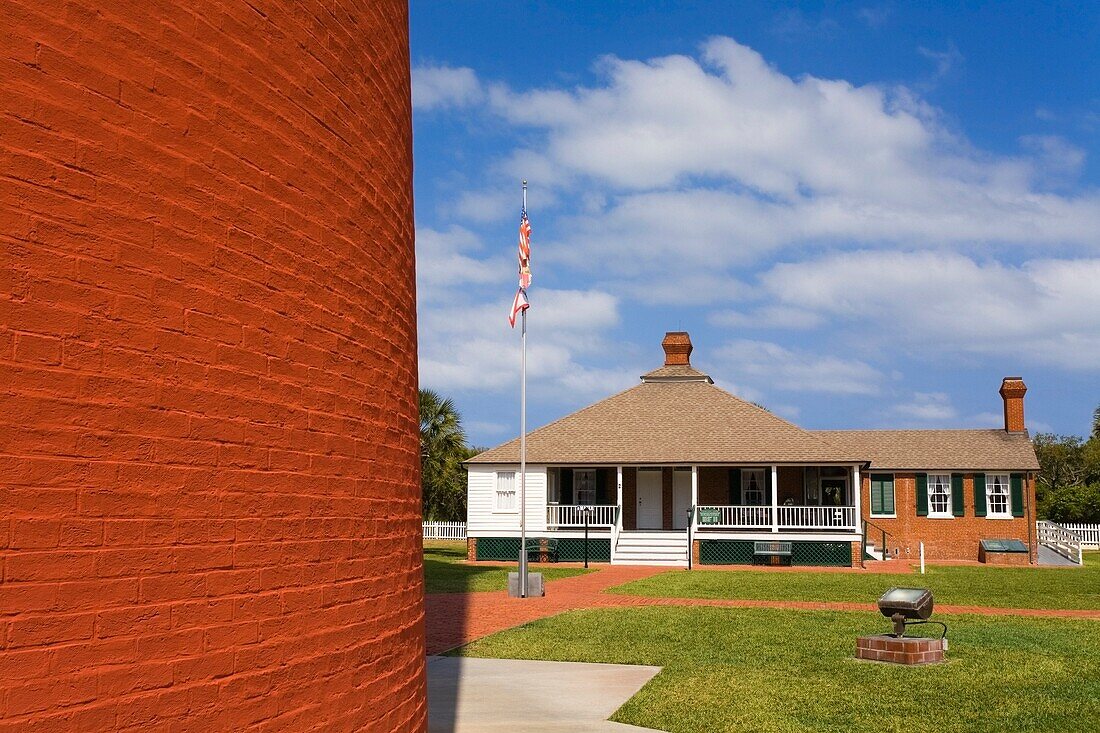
[[1089, 534], [444, 530]]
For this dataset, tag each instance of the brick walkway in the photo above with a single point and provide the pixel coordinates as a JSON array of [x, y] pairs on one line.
[[454, 619]]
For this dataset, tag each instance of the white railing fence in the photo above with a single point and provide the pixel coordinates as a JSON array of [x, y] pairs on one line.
[[817, 517], [568, 515], [754, 517], [1088, 533], [788, 517], [444, 530], [1060, 539]]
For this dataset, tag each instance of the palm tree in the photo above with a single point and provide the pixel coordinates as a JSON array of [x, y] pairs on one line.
[[442, 450]]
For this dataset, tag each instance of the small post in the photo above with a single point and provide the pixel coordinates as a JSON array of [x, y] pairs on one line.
[[691, 515], [587, 513], [922, 558]]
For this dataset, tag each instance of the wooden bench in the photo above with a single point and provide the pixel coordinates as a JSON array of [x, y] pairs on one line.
[[541, 552], [771, 553]]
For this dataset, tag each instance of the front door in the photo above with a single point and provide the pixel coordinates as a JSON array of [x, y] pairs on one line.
[[681, 498], [649, 499]]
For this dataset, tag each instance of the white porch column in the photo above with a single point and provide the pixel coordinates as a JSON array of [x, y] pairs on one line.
[[857, 487], [775, 499], [618, 525], [694, 485], [619, 489]]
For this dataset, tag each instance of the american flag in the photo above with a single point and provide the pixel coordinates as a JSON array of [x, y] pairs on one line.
[[524, 252], [519, 303]]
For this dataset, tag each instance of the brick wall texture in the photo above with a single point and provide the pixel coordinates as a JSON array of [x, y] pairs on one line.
[[954, 538], [209, 503]]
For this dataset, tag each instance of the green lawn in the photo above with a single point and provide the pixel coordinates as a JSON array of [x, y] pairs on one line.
[[445, 571], [772, 670], [1069, 588]]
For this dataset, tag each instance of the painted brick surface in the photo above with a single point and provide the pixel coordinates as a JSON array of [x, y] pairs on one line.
[[209, 505], [954, 538]]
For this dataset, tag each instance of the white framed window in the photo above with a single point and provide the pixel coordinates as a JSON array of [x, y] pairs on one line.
[[584, 486], [505, 498], [997, 496], [752, 486], [939, 495]]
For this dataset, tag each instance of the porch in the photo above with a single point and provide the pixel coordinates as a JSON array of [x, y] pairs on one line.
[[752, 499]]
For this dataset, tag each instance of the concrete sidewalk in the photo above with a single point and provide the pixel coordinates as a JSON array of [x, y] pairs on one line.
[[468, 695]]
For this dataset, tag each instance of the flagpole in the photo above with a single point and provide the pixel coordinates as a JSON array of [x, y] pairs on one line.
[[523, 442]]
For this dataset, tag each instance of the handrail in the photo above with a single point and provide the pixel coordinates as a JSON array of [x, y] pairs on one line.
[[1064, 541], [863, 549]]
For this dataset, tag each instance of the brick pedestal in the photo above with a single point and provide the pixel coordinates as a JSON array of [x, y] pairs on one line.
[[906, 650]]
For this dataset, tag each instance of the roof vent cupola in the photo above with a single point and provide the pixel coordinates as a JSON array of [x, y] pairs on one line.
[[677, 346]]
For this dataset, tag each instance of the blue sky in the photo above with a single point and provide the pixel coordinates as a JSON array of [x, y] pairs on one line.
[[864, 214]]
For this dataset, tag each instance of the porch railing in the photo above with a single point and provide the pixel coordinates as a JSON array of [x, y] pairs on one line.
[[569, 515], [817, 517], [748, 517], [787, 517]]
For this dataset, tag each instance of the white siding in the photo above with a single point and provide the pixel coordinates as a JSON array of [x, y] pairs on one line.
[[481, 486]]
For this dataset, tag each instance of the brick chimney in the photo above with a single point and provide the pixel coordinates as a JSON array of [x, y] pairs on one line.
[[677, 346], [1013, 390]]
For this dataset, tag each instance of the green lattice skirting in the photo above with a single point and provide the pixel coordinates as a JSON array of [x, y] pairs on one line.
[[808, 554], [570, 549], [498, 548]]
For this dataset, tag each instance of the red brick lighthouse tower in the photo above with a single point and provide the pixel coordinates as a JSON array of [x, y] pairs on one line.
[[209, 502]]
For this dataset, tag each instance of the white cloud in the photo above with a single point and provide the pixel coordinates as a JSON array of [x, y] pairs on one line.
[[435, 87], [447, 259], [934, 407], [770, 365], [1045, 311], [704, 165], [471, 347], [944, 60]]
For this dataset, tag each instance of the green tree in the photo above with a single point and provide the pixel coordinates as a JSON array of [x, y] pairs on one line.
[[442, 450], [1068, 485]]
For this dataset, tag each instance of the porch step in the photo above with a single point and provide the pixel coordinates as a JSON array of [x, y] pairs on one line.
[[873, 551], [652, 548]]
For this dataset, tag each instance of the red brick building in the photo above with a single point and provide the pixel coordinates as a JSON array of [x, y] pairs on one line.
[[209, 495], [676, 457]]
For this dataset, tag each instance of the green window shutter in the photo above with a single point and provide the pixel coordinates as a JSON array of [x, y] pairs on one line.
[[601, 486], [1017, 483], [979, 495], [958, 505], [735, 486], [922, 494], [882, 494], [876, 495]]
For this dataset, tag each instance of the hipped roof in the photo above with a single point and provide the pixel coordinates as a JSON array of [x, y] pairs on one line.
[[675, 416]]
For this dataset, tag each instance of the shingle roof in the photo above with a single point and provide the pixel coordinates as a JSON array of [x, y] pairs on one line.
[[675, 416], [978, 450]]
